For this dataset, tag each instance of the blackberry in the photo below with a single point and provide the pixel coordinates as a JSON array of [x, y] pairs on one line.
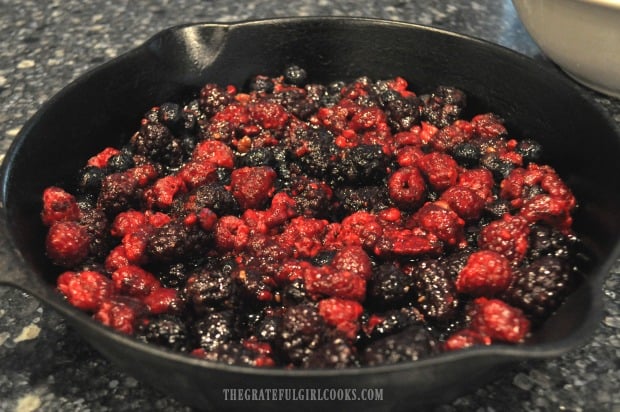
[[89, 180], [540, 287], [120, 162], [547, 241], [97, 225], [500, 168], [368, 198], [170, 113], [318, 161], [295, 75], [402, 112], [173, 276], [294, 293], [334, 354], [261, 84], [302, 332], [235, 353], [363, 163], [496, 209], [393, 321], [175, 241], [188, 144], [214, 330], [435, 291], [156, 143], [323, 258], [411, 344], [388, 285], [217, 198], [165, 330], [466, 154], [213, 98], [190, 115], [119, 192], [530, 150], [254, 285], [313, 199], [269, 328], [261, 156], [443, 106], [208, 289], [455, 261]]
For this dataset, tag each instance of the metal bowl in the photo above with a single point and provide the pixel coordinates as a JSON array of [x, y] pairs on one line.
[[104, 106]]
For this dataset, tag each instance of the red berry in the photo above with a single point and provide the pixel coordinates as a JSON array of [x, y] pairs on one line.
[[507, 236], [437, 218], [486, 273], [231, 233], [162, 193], [353, 259], [440, 169], [499, 321], [488, 126], [161, 300], [342, 313], [252, 186], [269, 115], [480, 181], [406, 187], [304, 235], [85, 290], [100, 160], [466, 338], [342, 284], [58, 206], [552, 210], [134, 281], [67, 243], [127, 222], [215, 153], [120, 313], [464, 201]]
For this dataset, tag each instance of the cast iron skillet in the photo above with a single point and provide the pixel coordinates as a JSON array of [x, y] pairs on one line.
[[104, 106]]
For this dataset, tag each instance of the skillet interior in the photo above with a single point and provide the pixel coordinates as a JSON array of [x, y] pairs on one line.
[[104, 107]]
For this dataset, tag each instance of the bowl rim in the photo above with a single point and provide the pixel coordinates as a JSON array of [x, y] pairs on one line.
[[503, 353]]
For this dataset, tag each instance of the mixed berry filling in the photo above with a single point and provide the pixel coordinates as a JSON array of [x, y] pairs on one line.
[[303, 225]]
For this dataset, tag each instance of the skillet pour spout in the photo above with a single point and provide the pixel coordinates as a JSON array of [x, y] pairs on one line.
[[102, 108]]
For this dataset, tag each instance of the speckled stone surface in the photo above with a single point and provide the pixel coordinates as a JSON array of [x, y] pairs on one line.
[[46, 366]]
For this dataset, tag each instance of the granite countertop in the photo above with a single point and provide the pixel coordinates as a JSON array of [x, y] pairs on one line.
[[46, 366]]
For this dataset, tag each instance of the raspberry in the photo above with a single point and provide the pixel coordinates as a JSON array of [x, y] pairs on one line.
[[548, 209], [163, 191], [434, 291], [353, 259], [488, 126], [127, 222], [85, 290], [100, 160], [411, 344], [540, 287], [196, 173], [214, 152], [406, 242], [120, 313], [499, 321], [486, 273], [464, 201], [478, 180], [67, 243], [507, 236], [440, 169], [304, 235], [451, 135], [437, 218], [162, 300], [466, 338], [252, 186], [231, 233], [134, 281], [341, 313], [406, 187], [58, 206], [363, 227], [341, 284], [269, 115]]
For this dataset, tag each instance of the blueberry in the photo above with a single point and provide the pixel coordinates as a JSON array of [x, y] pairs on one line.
[[295, 75]]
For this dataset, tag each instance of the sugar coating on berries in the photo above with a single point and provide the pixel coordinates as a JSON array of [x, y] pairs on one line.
[[302, 225]]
